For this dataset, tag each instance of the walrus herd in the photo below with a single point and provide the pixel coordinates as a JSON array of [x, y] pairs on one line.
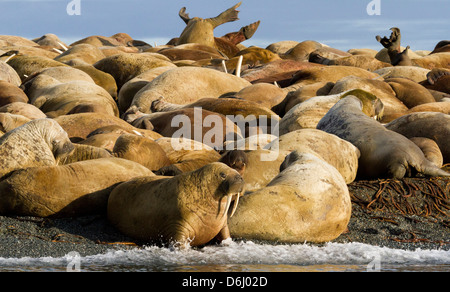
[[203, 139]]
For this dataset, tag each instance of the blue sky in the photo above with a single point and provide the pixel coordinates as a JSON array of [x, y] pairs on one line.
[[343, 24]]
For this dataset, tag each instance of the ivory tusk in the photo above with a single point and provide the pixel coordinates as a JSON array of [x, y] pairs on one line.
[[10, 57], [236, 202], [239, 66], [58, 51], [227, 206], [63, 46], [224, 66]]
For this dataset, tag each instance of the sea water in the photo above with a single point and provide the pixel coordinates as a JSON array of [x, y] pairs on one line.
[[243, 257]]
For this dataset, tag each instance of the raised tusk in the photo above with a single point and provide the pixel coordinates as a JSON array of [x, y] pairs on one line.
[[236, 202], [239, 66]]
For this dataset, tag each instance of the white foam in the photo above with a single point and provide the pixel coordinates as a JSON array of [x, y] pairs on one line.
[[240, 253]]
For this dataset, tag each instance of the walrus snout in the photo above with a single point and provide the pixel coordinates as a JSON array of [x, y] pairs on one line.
[[66, 149]]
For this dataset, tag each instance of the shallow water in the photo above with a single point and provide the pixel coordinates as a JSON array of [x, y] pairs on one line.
[[244, 257]]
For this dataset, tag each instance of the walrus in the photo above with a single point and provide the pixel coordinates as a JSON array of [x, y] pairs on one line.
[[80, 188], [361, 61], [8, 74], [142, 150], [414, 73], [39, 142], [62, 98], [201, 31], [9, 122], [190, 209], [410, 92], [119, 39], [275, 71], [100, 78], [393, 106], [185, 85], [236, 159], [432, 125], [23, 109], [384, 153], [89, 54], [205, 126], [337, 152], [124, 67], [51, 40], [308, 201], [185, 155], [307, 115], [79, 126], [245, 114], [302, 94], [131, 87], [402, 58], [267, 95], [328, 74], [27, 65], [85, 152], [430, 149], [10, 93], [438, 80]]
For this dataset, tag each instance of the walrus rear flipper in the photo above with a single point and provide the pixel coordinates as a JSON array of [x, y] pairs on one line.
[[229, 15], [183, 15]]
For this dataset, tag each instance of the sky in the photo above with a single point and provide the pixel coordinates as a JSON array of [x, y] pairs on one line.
[[342, 24]]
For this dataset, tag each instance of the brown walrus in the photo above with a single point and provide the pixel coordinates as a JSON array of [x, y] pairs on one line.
[[201, 31], [76, 189], [188, 209]]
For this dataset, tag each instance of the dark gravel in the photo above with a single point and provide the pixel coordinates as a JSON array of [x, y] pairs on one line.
[[375, 222]]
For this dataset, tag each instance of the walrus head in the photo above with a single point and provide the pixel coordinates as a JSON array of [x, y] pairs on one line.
[[372, 105], [55, 136], [224, 184]]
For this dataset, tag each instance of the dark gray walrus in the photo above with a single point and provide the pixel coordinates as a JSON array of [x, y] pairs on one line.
[[384, 153]]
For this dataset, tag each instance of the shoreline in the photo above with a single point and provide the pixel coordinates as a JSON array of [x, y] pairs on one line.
[[373, 225]]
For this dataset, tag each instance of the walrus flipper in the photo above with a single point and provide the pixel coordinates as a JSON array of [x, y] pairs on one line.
[[229, 15], [183, 15]]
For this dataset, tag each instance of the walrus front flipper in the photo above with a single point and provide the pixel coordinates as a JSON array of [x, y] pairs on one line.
[[229, 15], [392, 44]]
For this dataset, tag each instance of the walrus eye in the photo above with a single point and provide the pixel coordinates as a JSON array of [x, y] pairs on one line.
[[223, 175]]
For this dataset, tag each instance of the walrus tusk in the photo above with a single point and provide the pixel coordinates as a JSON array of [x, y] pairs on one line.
[[63, 46], [58, 51], [224, 66], [236, 202], [239, 66], [227, 206], [10, 57]]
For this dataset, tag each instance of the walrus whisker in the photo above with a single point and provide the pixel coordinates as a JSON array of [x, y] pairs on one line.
[[236, 202]]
